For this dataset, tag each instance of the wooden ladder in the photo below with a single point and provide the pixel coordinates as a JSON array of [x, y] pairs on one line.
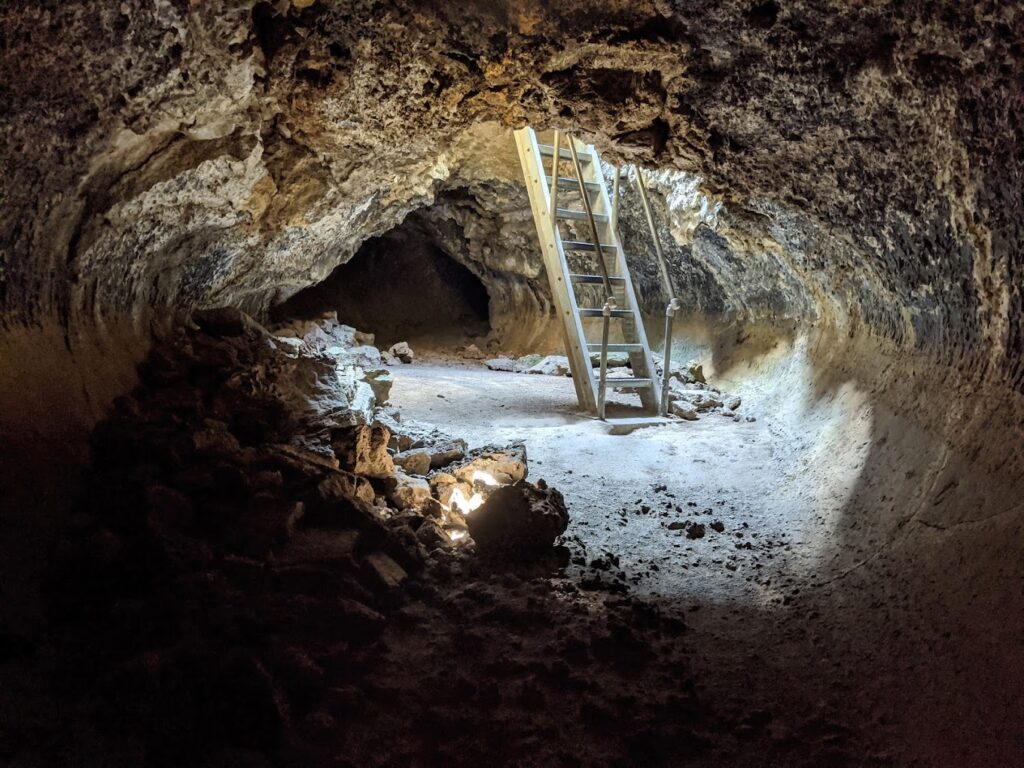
[[591, 235]]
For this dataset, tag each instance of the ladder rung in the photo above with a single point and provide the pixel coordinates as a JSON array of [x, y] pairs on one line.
[[577, 245], [595, 279], [598, 312], [565, 213], [567, 182], [596, 347], [630, 383], [565, 154]]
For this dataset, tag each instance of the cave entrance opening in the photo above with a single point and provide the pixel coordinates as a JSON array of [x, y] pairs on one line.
[[402, 286]]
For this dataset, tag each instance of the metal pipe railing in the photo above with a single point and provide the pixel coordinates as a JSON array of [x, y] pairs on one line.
[[673, 303], [602, 384], [554, 178]]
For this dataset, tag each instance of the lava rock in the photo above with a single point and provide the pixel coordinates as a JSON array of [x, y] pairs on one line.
[[402, 351], [414, 462], [519, 521]]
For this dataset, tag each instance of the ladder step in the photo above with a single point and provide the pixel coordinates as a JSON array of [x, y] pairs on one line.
[[595, 279], [577, 245], [598, 312], [596, 347], [565, 213], [548, 150], [630, 383], [569, 183]]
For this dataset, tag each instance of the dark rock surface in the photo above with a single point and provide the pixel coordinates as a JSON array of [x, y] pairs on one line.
[[519, 521]]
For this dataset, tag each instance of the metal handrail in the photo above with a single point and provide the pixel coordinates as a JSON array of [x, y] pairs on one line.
[[673, 303]]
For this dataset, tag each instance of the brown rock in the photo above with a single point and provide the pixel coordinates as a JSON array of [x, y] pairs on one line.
[[414, 462], [364, 450]]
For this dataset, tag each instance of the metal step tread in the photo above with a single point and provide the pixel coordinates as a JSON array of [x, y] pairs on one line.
[[565, 154], [579, 245], [595, 279], [568, 182], [598, 312], [595, 346], [631, 382], [571, 215]]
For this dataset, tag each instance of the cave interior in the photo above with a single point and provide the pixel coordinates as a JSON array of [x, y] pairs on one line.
[[293, 467]]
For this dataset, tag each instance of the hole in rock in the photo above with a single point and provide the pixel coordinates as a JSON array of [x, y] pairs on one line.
[[401, 286]]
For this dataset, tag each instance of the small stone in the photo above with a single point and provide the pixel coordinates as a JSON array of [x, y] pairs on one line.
[[676, 525], [733, 403], [718, 526], [684, 410], [695, 531]]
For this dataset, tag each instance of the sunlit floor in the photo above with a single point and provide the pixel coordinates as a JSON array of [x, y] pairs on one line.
[[817, 603]]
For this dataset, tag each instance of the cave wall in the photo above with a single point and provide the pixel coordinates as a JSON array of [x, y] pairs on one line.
[[170, 155]]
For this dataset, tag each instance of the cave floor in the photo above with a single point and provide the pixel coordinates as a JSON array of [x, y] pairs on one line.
[[796, 657]]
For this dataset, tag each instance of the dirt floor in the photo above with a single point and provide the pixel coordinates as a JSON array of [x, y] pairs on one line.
[[808, 644]]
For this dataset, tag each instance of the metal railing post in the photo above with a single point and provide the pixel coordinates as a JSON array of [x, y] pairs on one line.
[[554, 178], [666, 371], [606, 315]]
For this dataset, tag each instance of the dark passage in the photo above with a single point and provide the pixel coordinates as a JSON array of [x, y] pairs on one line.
[[400, 286]]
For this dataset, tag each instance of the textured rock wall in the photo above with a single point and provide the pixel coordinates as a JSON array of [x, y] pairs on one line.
[[168, 155]]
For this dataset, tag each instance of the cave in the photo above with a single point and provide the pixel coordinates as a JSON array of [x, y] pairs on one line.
[[293, 468], [400, 287]]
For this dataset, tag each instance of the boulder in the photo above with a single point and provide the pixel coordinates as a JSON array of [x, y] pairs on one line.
[[518, 521], [472, 352], [407, 492], [402, 351]]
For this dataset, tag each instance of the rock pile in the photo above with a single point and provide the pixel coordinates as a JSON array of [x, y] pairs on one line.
[[251, 498]]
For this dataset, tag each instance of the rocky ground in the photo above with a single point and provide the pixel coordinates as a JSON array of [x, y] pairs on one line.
[[273, 567]]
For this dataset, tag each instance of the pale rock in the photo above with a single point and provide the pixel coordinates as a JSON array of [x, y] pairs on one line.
[[407, 492], [552, 365], [415, 462], [501, 364], [402, 351]]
